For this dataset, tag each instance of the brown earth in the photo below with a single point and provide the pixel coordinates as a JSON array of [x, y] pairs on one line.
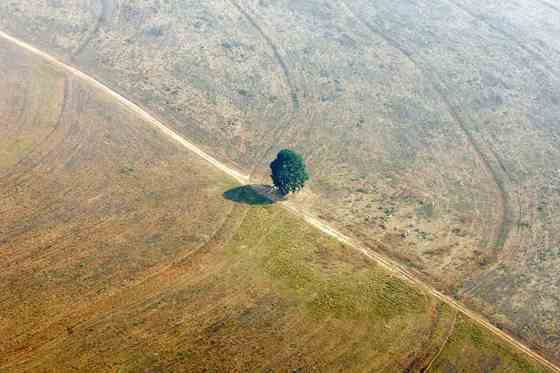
[[431, 127], [119, 252]]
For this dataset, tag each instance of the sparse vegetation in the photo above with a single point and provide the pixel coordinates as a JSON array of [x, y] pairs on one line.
[[457, 110], [193, 282]]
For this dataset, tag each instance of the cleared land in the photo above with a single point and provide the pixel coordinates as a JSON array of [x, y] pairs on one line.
[[120, 252], [431, 128]]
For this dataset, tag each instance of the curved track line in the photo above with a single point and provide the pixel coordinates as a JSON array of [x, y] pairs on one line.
[[151, 274], [287, 77], [106, 12], [391, 266], [404, 274], [27, 156], [293, 95], [428, 367], [502, 227], [523, 46], [242, 178], [549, 5], [20, 117]]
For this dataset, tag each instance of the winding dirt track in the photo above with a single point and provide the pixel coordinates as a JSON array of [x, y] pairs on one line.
[[390, 265], [503, 220]]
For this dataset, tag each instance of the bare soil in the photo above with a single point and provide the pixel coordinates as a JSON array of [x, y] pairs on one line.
[[430, 128], [119, 253]]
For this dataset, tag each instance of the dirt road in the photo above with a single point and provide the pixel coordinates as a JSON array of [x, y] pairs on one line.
[[392, 266]]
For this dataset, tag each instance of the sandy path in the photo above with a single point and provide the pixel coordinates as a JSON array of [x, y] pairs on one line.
[[390, 265]]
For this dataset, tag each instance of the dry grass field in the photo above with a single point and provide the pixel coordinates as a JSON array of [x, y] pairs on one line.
[[120, 253], [430, 127]]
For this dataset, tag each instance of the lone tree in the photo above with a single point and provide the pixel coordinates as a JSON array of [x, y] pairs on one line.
[[288, 172]]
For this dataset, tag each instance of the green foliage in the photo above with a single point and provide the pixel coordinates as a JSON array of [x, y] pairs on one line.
[[288, 172]]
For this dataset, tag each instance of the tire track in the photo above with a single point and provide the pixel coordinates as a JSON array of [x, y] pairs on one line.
[[428, 367], [73, 232], [16, 178], [81, 137], [131, 107], [27, 156], [536, 56], [28, 222], [294, 99], [20, 118], [104, 17], [72, 137], [403, 273], [219, 237], [285, 71], [422, 353], [550, 70], [502, 202], [389, 265], [479, 281], [549, 5]]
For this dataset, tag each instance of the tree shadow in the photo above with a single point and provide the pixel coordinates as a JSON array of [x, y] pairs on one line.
[[253, 195]]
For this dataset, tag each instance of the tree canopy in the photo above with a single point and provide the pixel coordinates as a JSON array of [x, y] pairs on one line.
[[288, 172]]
